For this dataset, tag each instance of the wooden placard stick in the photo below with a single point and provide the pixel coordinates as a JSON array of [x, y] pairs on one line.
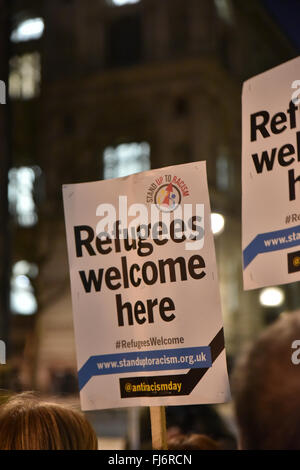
[[158, 427]]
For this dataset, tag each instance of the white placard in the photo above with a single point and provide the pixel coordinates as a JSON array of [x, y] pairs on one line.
[[147, 315], [271, 176]]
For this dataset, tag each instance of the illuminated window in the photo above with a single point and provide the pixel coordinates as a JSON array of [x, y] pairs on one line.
[[224, 9], [25, 76], [120, 3], [22, 297], [126, 159], [28, 30], [20, 195], [222, 172], [24, 268]]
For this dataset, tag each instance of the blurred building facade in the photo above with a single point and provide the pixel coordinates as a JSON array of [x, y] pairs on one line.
[[152, 83]]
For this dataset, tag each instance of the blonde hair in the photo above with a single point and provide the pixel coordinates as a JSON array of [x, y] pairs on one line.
[[27, 423]]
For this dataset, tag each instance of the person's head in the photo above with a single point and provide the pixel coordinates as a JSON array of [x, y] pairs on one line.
[[192, 442], [266, 386], [27, 423]]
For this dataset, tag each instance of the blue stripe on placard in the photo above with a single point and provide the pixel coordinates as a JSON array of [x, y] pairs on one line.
[[143, 361], [271, 241]]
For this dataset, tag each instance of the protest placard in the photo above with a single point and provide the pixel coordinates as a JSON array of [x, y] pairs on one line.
[[146, 304], [271, 177]]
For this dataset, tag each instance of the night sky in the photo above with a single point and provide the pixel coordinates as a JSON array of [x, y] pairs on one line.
[[286, 14]]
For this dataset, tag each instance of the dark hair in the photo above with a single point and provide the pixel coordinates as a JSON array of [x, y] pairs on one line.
[[192, 442], [27, 423], [266, 386]]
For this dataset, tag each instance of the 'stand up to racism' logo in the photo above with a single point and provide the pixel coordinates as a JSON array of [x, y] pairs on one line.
[[167, 197], [166, 192]]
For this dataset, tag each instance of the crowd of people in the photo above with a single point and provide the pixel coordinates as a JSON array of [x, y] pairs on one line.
[[265, 385]]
